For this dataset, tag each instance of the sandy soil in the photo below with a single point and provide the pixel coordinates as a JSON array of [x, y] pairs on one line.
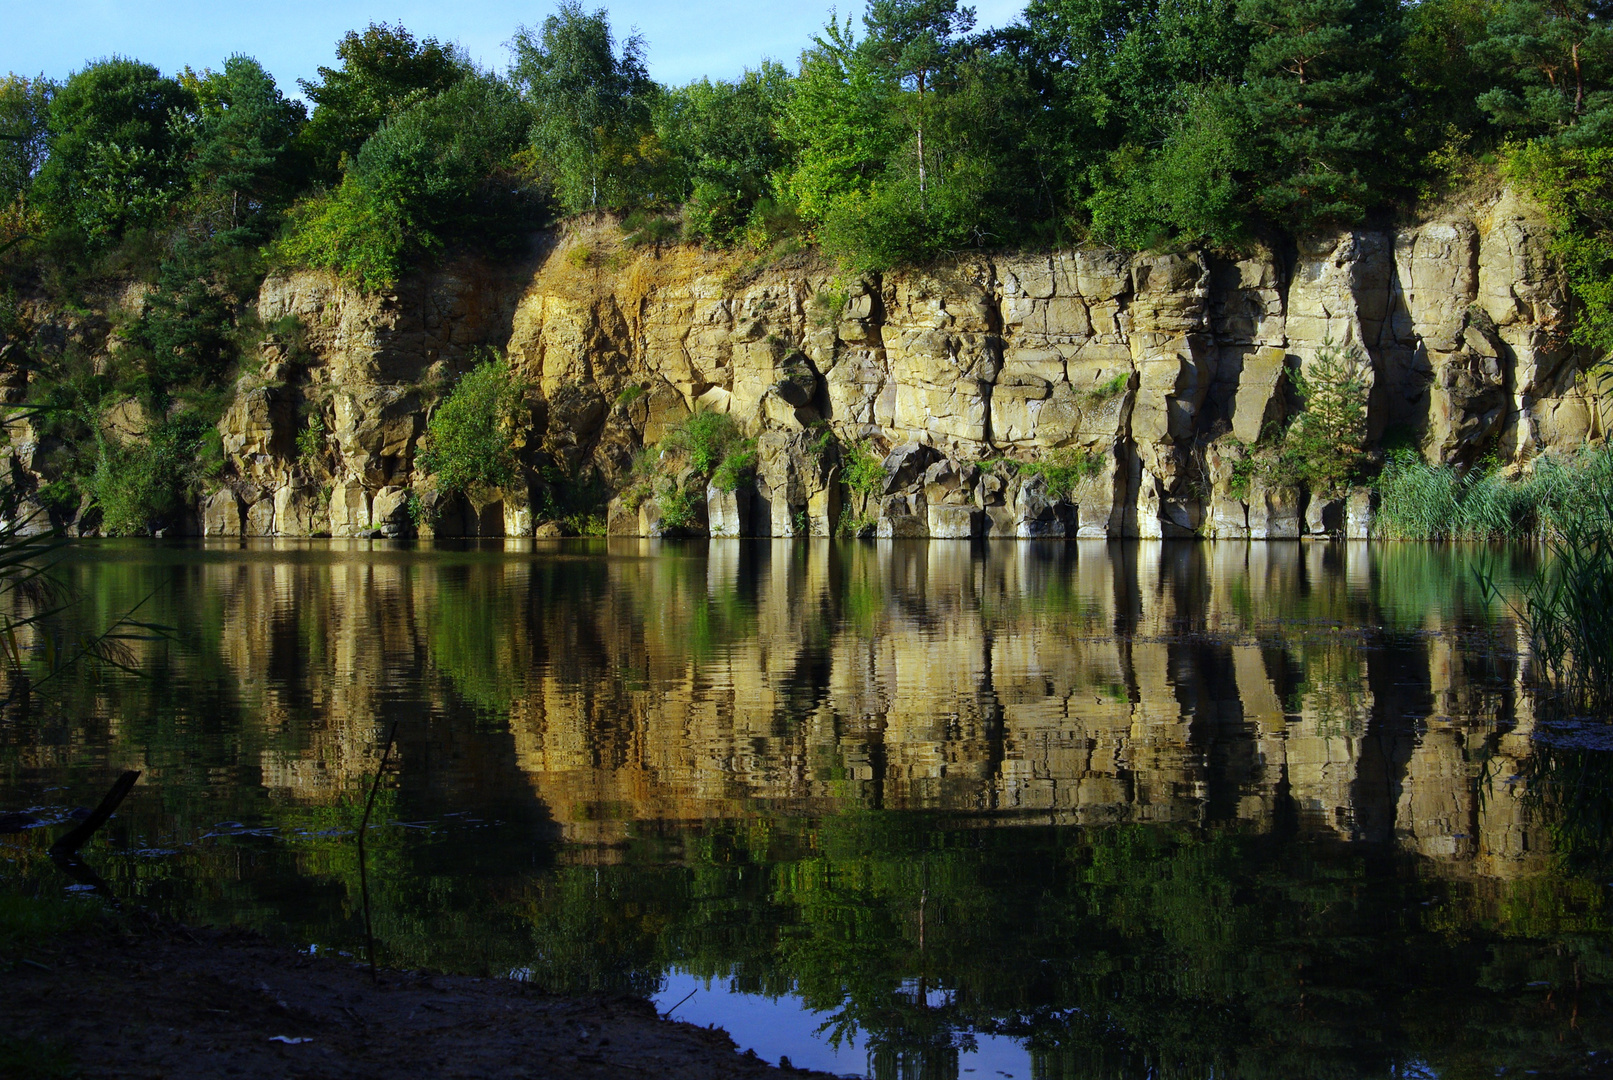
[[166, 1001]]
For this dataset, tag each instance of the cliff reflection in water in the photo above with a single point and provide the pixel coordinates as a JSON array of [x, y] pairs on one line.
[[1083, 683], [1156, 809]]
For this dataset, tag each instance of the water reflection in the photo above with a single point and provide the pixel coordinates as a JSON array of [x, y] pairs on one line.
[[1152, 810]]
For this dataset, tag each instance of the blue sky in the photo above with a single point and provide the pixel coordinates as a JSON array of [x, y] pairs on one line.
[[291, 38]]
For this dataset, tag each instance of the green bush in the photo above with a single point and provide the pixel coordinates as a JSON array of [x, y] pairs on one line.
[[311, 441], [854, 524], [148, 485], [474, 437], [705, 437], [869, 233], [1064, 469], [738, 467], [861, 469], [679, 506], [644, 229]]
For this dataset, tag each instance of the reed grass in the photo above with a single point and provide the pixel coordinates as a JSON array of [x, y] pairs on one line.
[[1419, 501], [1568, 613]]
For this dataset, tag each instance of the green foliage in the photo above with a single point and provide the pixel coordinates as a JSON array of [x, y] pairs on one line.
[[246, 166], [1189, 190], [1575, 184], [591, 133], [679, 505], [642, 228], [1323, 97], [1065, 469], [474, 437], [150, 484], [443, 169], [186, 324], [577, 499], [1244, 471], [116, 152], [854, 524], [738, 467], [311, 441], [1326, 445], [1550, 61], [827, 307], [383, 71], [704, 438], [1111, 389], [861, 469], [724, 146], [24, 144]]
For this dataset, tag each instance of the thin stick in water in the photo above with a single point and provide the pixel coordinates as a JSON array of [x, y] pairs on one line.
[[76, 839], [363, 871]]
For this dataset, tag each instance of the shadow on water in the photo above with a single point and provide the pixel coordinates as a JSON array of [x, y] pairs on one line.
[[1148, 810]]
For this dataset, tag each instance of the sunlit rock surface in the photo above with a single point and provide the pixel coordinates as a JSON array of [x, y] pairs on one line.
[[1156, 369]]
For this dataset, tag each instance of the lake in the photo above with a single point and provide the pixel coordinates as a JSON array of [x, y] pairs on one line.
[[889, 808]]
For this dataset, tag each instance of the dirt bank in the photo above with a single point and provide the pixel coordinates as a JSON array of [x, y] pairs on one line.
[[172, 1002]]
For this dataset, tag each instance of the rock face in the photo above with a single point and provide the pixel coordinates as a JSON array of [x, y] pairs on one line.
[[1151, 371]]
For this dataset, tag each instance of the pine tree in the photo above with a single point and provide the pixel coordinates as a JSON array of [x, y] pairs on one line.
[[1323, 96]]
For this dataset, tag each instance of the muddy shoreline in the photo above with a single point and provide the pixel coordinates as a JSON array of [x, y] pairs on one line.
[[162, 1000]]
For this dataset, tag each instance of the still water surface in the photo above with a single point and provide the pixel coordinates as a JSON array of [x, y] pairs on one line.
[[913, 809]]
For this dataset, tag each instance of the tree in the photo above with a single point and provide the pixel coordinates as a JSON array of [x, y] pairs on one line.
[[186, 324], [384, 71], [724, 145], [1551, 60], [24, 114], [591, 105], [1190, 189], [840, 122], [1327, 443], [116, 151], [918, 41], [441, 171], [246, 164], [1116, 80], [1442, 74], [1324, 101]]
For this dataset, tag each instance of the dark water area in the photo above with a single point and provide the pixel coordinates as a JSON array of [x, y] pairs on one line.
[[897, 809]]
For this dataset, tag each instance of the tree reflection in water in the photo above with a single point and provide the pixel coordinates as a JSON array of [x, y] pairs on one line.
[[1163, 810]]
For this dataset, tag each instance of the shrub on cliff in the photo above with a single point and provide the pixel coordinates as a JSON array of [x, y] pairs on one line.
[[705, 438], [474, 437], [148, 484]]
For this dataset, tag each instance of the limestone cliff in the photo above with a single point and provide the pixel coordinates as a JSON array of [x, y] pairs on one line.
[[1157, 369]]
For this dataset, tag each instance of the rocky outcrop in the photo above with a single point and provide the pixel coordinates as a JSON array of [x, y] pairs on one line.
[[1154, 372]]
